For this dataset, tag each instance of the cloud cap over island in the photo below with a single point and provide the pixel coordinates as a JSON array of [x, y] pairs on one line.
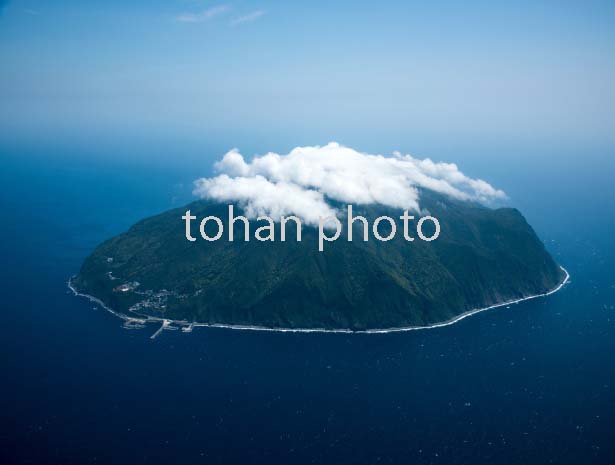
[[302, 181]]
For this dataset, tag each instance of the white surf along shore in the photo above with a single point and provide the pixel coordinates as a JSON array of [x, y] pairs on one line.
[[187, 326]]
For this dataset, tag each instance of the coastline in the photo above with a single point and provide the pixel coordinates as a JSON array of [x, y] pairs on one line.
[[187, 326]]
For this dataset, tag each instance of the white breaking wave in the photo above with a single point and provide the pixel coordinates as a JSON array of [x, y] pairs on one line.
[[186, 324]]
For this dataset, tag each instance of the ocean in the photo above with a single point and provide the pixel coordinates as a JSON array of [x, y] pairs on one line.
[[532, 383]]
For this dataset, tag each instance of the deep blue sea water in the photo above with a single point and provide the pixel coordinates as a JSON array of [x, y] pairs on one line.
[[531, 384]]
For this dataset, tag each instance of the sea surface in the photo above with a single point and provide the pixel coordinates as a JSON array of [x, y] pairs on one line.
[[531, 384]]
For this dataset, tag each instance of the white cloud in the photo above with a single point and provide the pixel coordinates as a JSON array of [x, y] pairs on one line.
[[203, 15], [302, 181], [249, 18], [260, 196]]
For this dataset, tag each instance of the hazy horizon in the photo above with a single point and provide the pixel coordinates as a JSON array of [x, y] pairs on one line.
[[274, 75]]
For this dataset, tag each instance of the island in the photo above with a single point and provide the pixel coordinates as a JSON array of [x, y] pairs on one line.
[[484, 257]]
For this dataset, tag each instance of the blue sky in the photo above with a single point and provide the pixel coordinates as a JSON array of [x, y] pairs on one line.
[[310, 72]]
